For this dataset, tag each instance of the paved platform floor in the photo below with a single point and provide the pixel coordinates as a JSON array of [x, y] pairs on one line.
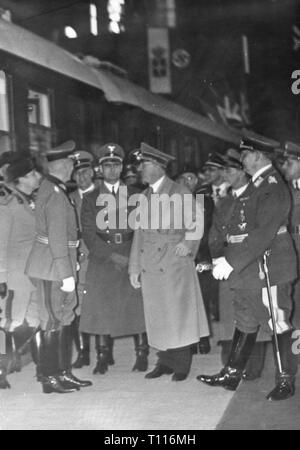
[[118, 400]]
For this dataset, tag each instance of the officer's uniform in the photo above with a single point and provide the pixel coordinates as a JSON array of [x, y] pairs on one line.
[[52, 260], [217, 240], [258, 223], [111, 307]]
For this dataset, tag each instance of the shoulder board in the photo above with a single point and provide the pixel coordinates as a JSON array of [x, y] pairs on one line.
[[272, 179]]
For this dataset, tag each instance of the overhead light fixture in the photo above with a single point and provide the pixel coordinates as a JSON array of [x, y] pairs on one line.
[[70, 33]]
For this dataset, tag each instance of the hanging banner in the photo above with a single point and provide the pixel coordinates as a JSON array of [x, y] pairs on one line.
[[159, 60]]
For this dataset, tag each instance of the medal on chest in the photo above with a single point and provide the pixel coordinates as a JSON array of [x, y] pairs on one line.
[[243, 224]]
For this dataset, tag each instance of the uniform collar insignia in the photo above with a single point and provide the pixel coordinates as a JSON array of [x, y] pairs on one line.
[[258, 181], [272, 179]]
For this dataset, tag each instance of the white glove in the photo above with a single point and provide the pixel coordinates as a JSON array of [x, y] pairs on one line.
[[222, 269], [134, 280], [68, 284]]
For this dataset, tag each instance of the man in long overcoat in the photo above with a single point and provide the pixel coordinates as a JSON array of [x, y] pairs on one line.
[[111, 307], [162, 264]]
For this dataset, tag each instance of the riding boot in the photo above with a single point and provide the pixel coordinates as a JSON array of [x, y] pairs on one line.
[[14, 358], [110, 358], [255, 364], [285, 380], [142, 352], [50, 366], [36, 347], [65, 360], [102, 349], [231, 374], [82, 344]]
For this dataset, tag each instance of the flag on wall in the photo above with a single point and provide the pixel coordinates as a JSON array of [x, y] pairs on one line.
[[159, 60]]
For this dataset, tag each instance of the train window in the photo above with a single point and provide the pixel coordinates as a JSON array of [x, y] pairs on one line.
[[4, 110], [39, 108], [93, 19]]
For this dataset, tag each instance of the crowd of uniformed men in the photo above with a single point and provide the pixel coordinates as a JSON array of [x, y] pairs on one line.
[[65, 280]]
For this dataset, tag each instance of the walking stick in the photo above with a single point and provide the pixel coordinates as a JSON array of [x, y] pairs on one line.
[[271, 306]]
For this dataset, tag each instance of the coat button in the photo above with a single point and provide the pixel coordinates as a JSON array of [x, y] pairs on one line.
[[143, 270], [142, 250], [159, 249], [161, 270]]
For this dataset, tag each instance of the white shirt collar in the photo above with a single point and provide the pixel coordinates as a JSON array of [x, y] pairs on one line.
[[238, 192], [221, 189], [85, 191], [260, 172], [110, 186], [155, 186]]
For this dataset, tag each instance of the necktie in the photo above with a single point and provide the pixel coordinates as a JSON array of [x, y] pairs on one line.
[[113, 191]]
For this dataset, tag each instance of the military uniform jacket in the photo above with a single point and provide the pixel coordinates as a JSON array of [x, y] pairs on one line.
[[17, 222], [110, 305], [54, 252], [261, 213], [174, 309]]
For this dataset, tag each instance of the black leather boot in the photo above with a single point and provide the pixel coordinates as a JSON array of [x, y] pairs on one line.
[[142, 352], [82, 344], [285, 381], [50, 366], [102, 349], [110, 358], [65, 359], [255, 364], [4, 384], [230, 376], [36, 352], [14, 359]]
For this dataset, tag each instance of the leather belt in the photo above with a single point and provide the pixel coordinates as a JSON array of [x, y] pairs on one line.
[[294, 229], [117, 238], [45, 240], [238, 238]]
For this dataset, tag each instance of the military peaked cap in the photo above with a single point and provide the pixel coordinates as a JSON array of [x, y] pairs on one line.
[[82, 159], [256, 145], [110, 152], [214, 160], [62, 151], [148, 153], [291, 150]]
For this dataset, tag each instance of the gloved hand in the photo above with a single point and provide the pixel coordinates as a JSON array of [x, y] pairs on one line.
[[3, 290], [119, 260], [68, 284], [134, 280], [221, 269]]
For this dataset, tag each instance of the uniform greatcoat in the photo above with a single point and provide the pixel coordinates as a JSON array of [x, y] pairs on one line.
[[174, 310], [295, 232], [54, 253], [17, 223], [110, 305]]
